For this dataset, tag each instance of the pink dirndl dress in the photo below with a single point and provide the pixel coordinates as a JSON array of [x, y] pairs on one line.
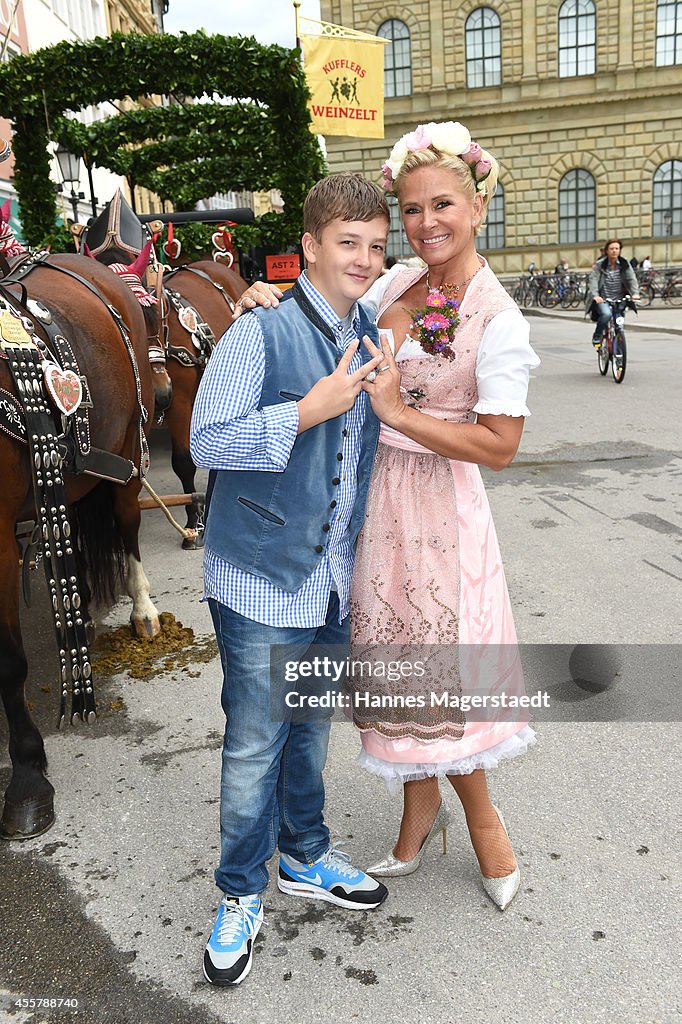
[[428, 568]]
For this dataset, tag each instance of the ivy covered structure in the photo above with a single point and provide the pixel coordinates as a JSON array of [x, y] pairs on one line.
[[257, 138]]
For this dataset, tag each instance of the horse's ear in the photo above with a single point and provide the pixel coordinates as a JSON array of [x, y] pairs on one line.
[[142, 261], [5, 211]]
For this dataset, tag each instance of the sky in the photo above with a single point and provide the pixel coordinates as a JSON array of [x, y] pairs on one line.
[[270, 21]]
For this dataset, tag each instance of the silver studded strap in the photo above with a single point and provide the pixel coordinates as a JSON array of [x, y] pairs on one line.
[[25, 364]]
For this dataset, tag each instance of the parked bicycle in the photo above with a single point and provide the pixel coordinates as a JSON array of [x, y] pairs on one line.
[[560, 290], [613, 348], [666, 285]]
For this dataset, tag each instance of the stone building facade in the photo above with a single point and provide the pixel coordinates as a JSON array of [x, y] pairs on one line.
[[580, 101]]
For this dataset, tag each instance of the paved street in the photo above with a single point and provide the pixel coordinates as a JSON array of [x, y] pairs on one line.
[[113, 905]]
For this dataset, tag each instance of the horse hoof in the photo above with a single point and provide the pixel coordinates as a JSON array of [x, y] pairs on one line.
[[27, 819], [146, 628], [193, 543]]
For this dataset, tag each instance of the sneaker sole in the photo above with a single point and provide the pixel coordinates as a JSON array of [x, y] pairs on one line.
[[312, 892], [219, 982]]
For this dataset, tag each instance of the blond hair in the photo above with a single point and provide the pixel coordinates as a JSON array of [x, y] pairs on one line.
[[343, 196], [432, 157]]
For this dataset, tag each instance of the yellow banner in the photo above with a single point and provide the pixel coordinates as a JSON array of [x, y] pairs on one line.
[[346, 79]]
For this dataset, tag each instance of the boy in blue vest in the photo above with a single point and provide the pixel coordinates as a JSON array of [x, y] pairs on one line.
[[281, 417]]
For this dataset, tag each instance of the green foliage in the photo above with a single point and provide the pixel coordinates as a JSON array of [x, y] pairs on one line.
[[183, 152], [195, 240], [59, 239]]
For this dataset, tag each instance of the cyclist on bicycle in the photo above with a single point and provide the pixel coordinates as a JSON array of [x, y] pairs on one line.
[[612, 278]]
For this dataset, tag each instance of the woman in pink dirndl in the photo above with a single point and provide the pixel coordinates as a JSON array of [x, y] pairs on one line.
[[428, 573]]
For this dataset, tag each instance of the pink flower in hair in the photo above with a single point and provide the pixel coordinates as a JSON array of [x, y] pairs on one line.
[[418, 139], [482, 169], [387, 183], [472, 154]]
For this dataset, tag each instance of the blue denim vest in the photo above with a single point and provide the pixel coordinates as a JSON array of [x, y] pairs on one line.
[[275, 525]]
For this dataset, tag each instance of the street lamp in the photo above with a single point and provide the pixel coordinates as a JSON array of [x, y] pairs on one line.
[[69, 167]]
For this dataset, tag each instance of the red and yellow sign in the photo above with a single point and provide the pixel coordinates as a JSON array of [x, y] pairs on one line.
[[345, 75], [284, 267]]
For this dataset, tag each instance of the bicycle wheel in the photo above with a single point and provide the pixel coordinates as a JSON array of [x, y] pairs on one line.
[[674, 292], [547, 297], [619, 357], [603, 354], [519, 295]]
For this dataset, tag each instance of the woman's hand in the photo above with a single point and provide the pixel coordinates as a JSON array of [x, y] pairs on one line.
[[383, 387], [259, 294], [333, 395]]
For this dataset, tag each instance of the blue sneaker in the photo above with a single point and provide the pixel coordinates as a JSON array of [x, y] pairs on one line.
[[332, 878], [229, 951]]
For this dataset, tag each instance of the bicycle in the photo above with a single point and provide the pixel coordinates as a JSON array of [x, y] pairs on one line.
[[670, 290], [559, 290], [613, 348], [525, 292]]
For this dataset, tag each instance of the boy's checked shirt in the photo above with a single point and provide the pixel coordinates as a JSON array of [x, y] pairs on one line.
[[228, 431]]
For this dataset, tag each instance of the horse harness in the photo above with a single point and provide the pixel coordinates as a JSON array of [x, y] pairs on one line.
[[203, 338], [47, 377]]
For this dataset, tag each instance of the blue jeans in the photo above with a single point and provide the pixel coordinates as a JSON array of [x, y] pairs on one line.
[[604, 313], [271, 791]]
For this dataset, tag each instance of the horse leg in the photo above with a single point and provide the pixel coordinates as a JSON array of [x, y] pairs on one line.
[[185, 470], [29, 804], [178, 421], [144, 617]]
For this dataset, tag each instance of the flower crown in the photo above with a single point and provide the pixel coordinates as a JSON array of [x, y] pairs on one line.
[[449, 137]]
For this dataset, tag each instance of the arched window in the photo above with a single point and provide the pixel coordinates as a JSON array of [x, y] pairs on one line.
[[668, 199], [668, 32], [577, 203], [397, 246], [492, 235], [483, 48], [577, 38], [397, 58]]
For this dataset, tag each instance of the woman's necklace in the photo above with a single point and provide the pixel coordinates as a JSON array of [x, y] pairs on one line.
[[434, 324], [448, 289]]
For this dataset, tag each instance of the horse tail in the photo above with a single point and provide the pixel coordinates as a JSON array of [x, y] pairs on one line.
[[102, 554]]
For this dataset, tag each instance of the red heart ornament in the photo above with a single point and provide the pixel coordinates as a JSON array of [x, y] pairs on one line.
[[172, 248], [64, 386]]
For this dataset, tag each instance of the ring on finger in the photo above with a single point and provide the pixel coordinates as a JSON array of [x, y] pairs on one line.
[[371, 376], [383, 368]]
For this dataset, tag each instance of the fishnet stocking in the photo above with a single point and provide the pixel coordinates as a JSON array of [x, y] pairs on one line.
[[489, 840], [421, 803]]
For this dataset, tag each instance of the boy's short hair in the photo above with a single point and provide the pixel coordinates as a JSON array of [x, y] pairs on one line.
[[343, 196]]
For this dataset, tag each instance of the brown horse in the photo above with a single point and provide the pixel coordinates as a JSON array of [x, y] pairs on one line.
[[101, 518], [210, 289]]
